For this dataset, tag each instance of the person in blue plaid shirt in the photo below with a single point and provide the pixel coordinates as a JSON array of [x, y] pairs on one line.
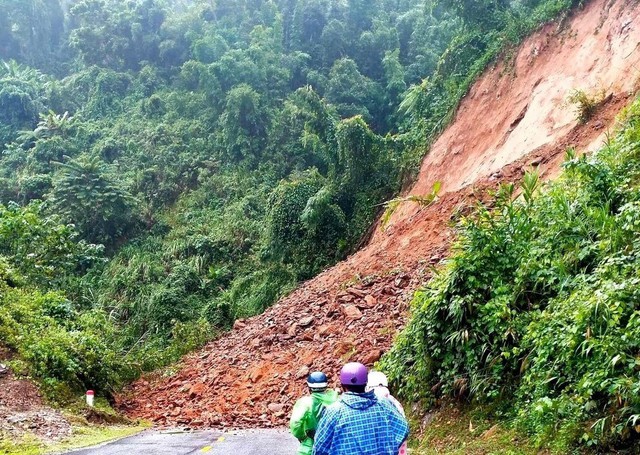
[[359, 423]]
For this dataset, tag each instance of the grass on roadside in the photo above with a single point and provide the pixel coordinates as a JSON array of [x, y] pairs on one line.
[[457, 431], [90, 426], [83, 436], [93, 435]]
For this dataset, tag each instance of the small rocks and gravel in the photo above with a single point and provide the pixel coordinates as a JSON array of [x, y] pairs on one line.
[[252, 376], [22, 411]]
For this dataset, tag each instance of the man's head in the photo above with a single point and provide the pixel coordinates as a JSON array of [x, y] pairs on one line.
[[353, 377], [317, 381], [377, 379]]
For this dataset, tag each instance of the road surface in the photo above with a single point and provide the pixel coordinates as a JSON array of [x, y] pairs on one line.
[[241, 442]]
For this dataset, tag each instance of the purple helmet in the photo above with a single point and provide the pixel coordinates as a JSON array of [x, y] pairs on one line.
[[354, 373]]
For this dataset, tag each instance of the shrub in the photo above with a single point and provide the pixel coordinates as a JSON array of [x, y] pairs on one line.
[[74, 350], [539, 305], [585, 104]]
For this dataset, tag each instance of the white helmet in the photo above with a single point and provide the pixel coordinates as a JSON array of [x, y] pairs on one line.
[[377, 379]]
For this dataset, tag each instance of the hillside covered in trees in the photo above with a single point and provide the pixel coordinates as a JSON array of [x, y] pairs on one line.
[[169, 167], [525, 319], [181, 164]]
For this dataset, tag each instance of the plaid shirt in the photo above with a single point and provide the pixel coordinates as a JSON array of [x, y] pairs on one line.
[[360, 424]]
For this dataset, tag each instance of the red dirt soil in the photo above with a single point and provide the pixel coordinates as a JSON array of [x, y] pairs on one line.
[[22, 410], [513, 118]]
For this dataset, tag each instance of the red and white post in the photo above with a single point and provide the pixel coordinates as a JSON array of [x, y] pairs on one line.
[[90, 396]]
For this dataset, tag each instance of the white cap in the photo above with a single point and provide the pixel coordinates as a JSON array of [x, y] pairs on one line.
[[377, 379]]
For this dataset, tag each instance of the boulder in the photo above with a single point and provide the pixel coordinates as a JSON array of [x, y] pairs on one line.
[[372, 357], [275, 407], [352, 312], [303, 372], [197, 390]]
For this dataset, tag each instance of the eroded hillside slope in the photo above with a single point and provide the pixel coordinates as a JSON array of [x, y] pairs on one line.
[[514, 117]]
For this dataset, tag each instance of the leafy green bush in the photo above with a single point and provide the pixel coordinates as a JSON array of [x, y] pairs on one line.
[[59, 346], [44, 251], [539, 304]]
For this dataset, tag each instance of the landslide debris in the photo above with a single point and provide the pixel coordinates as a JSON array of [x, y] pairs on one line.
[[252, 376], [510, 122]]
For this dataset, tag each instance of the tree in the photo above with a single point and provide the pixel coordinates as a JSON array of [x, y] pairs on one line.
[[333, 42], [116, 35], [22, 95], [9, 46], [303, 133], [305, 226], [243, 124], [360, 15], [309, 20], [483, 14], [396, 85], [21, 39], [50, 124], [372, 46], [357, 150], [209, 48], [352, 93], [86, 195]]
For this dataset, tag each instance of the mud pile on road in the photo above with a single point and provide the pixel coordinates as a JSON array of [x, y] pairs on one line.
[[514, 118]]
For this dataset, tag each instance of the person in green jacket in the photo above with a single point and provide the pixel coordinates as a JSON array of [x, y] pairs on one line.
[[309, 409]]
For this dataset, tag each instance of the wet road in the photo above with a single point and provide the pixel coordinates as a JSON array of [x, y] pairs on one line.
[[241, 442]]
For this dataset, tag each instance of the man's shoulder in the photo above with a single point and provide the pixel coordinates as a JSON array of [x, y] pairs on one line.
[[386, 403], [386, 407], [306, 400], [334, 410], [335, 406]]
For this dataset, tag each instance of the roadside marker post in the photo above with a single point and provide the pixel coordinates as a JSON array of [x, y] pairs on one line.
[[90, 396]]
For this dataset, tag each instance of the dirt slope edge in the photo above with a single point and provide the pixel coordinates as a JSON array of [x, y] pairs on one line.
[[252, 376], [22, 409]]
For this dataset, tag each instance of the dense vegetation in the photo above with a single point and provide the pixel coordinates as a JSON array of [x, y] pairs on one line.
[[191, 161], [538, 309]]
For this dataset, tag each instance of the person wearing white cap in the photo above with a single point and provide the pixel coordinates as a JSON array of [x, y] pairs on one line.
[[379, 384]]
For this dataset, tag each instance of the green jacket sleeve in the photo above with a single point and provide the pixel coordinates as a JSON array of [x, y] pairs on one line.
[[298, 417]]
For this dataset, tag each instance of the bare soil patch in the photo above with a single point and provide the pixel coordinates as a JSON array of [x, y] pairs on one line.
[[22, 411]]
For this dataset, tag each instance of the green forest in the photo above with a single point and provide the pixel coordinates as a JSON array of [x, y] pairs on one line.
[[170, 166]]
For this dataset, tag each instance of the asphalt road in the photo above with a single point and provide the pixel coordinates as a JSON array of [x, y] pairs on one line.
[[245, 442]]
